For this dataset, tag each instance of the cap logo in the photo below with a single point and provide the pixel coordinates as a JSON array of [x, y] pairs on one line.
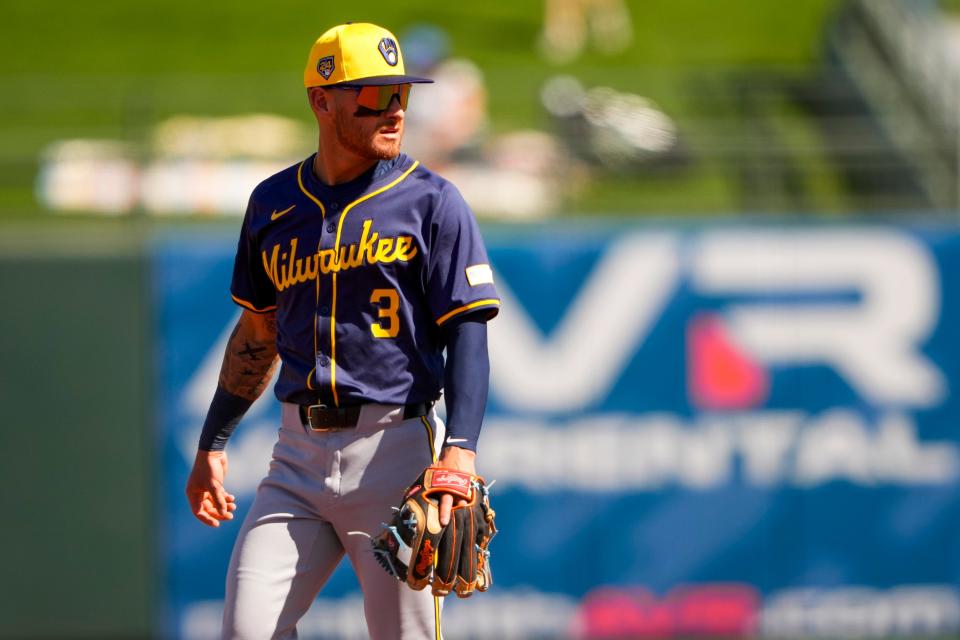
[[325, 67], [388, 48]]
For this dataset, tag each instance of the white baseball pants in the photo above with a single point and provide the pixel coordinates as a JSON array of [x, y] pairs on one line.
[[321, 490]]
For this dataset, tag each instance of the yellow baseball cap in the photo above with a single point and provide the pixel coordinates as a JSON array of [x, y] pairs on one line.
[[357, 53]]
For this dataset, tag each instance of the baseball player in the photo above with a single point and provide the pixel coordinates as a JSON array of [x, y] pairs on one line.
[[357, 267]]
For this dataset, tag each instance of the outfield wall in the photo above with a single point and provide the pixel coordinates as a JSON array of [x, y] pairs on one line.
[[716, 430], [77, 481], [711, 430]]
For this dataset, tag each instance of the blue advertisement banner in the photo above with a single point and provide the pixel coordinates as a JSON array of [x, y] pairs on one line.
[[719, 431]]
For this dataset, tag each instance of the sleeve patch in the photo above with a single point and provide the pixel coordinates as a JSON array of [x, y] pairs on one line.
[[479, 274]]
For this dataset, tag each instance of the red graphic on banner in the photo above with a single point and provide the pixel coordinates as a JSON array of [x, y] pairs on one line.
[[720, 373], [710, 610]]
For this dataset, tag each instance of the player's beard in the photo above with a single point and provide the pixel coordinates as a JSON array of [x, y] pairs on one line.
[[362, 142]]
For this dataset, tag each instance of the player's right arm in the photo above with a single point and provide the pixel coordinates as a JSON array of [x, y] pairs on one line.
[[248, 364]]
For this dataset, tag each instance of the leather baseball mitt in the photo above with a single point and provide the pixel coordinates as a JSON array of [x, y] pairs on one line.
[[416, 549]]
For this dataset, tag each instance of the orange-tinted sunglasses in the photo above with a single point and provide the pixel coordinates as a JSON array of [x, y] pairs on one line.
[[378, 98]]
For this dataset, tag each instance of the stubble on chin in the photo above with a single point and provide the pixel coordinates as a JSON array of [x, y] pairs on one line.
[[356, 140]]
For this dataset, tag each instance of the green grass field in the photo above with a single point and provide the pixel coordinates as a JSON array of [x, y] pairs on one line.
[[113, 70]]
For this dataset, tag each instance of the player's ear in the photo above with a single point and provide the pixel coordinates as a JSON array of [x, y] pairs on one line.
[[318, 98]]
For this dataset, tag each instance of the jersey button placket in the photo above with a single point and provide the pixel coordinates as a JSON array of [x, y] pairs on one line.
[[322, 358], [334, 209]]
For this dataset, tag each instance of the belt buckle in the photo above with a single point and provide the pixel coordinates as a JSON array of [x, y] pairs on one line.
[[313, 418]]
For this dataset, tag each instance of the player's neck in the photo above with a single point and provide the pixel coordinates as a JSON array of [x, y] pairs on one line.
[[333, 169]]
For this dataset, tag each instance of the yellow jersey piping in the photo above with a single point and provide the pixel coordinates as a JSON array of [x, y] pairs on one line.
[[473, 305], [250, 307], [433, 456], [323, 216], [336, 253], [316, 200], [430, 437]]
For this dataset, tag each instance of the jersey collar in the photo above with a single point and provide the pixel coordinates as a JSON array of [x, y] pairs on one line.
[[381, 173]]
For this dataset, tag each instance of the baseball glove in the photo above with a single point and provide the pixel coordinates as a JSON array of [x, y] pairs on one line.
[[416, 549]]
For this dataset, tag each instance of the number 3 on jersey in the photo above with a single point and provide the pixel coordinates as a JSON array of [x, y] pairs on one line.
[[391, 328]]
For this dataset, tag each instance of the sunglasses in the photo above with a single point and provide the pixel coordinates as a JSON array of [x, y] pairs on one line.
[[378, 98]]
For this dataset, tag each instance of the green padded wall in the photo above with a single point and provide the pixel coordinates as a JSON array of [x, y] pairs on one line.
[[76, 437]]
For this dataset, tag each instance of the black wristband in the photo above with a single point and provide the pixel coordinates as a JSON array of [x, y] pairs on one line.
[[223, 417]]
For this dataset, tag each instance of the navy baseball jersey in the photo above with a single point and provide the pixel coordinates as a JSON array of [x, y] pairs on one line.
[[362, 276]]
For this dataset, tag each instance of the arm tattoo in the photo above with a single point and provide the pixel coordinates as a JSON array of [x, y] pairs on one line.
[[251, 356], [270, 320], [251, 352]]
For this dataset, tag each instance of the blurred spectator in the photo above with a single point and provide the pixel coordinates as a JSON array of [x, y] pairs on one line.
[[447, 119], [615, 131], [569, 24], [519, 174]]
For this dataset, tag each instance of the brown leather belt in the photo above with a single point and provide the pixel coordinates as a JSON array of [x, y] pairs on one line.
[[318, 417]]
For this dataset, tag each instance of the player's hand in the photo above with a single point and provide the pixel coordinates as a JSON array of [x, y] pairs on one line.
[[209, 501], [459, 460]]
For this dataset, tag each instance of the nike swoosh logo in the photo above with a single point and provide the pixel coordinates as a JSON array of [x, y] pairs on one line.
[[276, 214], [456, 439]]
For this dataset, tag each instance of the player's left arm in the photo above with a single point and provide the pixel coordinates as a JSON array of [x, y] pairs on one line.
[[461, 296], [466, 384]]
